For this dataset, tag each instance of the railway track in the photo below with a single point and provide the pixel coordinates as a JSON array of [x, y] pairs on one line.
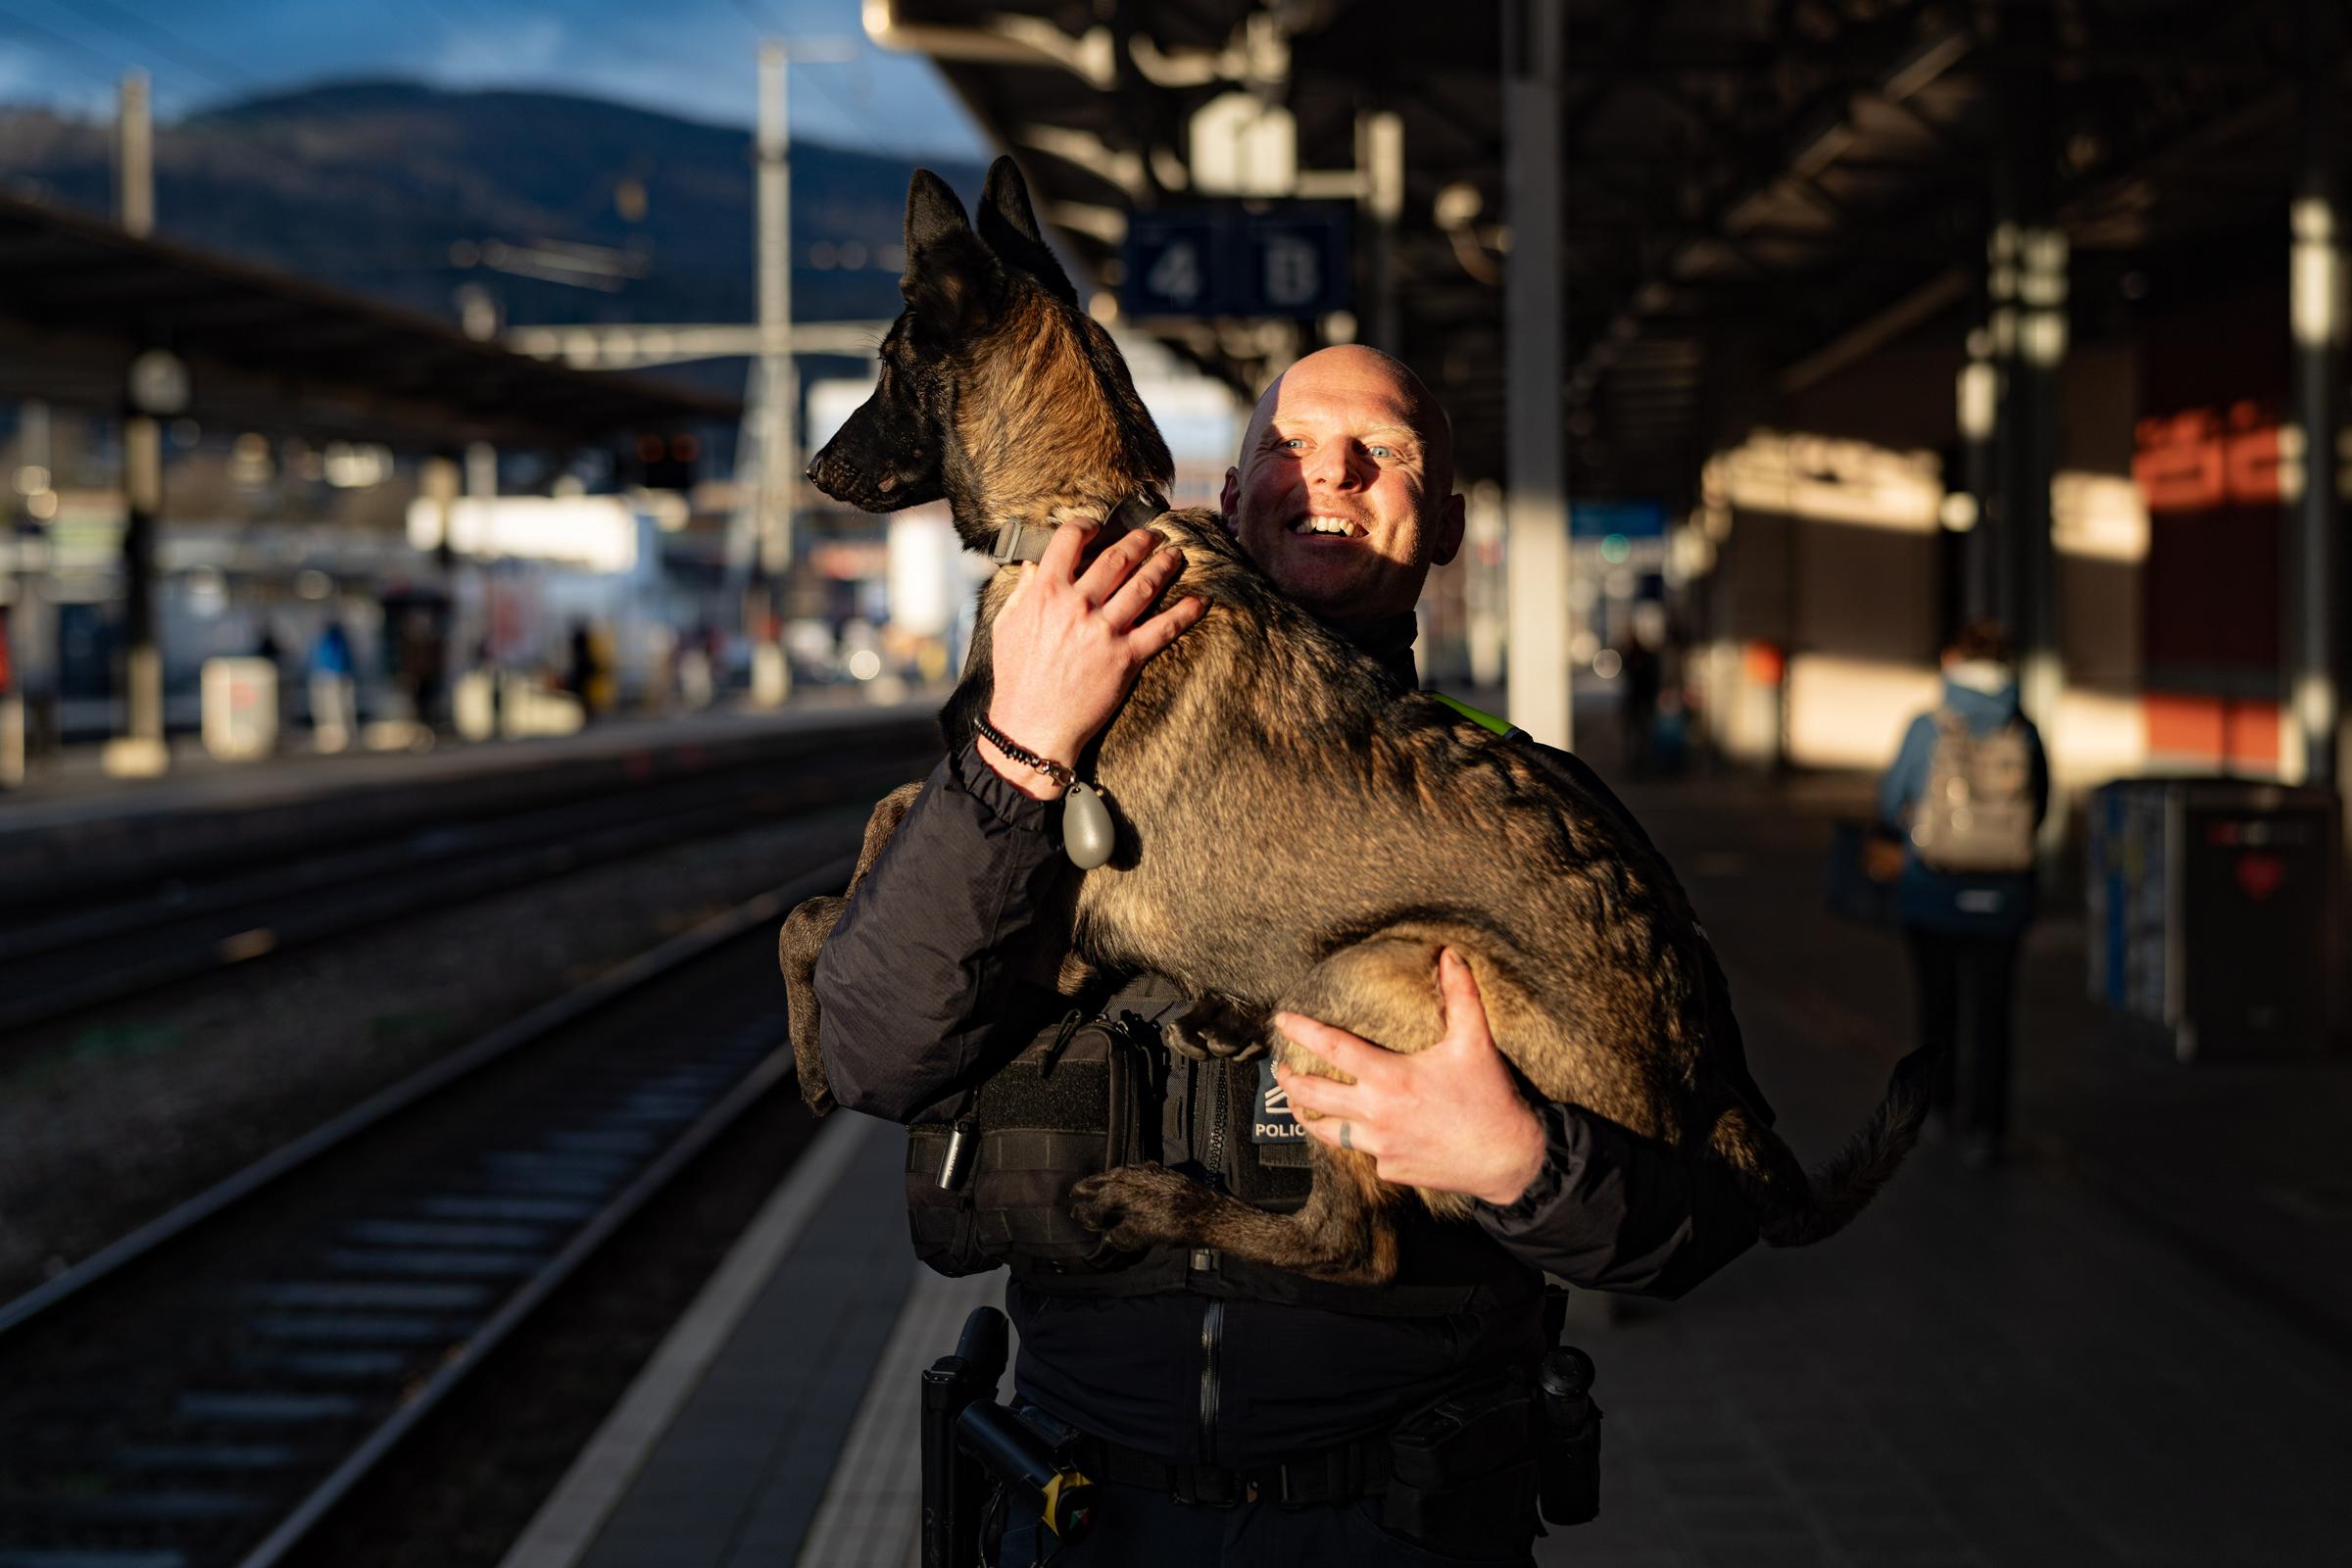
[[52, 968], [204, 1392]]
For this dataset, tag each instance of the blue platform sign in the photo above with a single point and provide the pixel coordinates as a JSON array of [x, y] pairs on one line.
[[1235, 259], [1627, 519]]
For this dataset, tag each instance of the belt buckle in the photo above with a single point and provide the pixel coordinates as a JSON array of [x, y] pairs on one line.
[[1205, 1486]]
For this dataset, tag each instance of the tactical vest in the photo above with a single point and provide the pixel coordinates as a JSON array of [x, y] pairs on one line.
[[990, 1187]]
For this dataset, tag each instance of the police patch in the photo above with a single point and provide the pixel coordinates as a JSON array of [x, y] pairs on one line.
[[1272, 1121]]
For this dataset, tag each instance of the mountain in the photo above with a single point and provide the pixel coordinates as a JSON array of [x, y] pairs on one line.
[[409, 193]]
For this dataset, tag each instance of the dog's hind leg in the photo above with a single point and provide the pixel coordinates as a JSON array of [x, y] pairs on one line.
[[803, 935]]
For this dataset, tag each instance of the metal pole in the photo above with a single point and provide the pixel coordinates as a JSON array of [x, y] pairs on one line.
[[2316, 305], [1979, 400], [1380, 163], [134, 156], [2030, 258], [1538, 686], [779, 392], [140, 750]]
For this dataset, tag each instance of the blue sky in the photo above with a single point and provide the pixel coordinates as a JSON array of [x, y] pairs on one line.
[[687, 57]]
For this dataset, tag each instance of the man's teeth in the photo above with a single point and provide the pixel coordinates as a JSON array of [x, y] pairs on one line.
[[1337, 525]]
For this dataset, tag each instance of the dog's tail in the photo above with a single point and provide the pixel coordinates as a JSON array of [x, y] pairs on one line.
[[1795, 1207]]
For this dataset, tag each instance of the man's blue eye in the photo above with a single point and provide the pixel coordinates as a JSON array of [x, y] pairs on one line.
[[1382, 451], [1294, 441]]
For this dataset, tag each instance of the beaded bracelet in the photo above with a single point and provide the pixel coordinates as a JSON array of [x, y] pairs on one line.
[[995, 737]]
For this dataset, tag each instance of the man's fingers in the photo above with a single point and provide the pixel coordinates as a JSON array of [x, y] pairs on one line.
[[1457, 990], [1136, 594], [1342, 1135], [1112, 566], [1357, 1058], [1312, 1091], [1069, 541], [1167, 626]]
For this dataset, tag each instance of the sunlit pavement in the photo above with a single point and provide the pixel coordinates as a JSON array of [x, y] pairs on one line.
[[2127, 1344]]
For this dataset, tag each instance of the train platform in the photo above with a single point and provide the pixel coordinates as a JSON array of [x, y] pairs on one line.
[[2129, 1343], [72, 820]]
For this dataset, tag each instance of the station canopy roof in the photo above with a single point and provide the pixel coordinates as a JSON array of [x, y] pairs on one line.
[[1755, 195], [80, 298]]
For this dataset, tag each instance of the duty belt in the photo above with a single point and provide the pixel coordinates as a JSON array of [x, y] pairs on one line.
[[1341, 1474]]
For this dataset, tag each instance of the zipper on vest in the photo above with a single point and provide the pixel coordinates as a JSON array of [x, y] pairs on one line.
[[1212, 1337], [1213, 1157]]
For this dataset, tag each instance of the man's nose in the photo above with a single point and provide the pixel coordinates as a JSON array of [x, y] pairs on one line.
[[1335, 466]]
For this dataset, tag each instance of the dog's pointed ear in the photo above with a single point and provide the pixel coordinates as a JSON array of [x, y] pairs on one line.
[[949, 273], [1010, 228], [933, 214]]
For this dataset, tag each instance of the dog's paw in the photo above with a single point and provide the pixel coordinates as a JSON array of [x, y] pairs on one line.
[[1136, 1206], [1212, 1028]]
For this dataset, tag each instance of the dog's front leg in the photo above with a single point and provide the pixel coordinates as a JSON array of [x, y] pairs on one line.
[[1341, 1235]]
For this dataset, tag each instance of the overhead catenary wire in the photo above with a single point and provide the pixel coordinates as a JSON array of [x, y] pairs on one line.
[[859, 120], [168, 44]]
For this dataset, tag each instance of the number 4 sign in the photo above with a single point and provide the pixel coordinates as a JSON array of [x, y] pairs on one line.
[[1238, 259]]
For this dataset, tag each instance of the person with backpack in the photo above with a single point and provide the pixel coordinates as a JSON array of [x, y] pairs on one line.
[[1965, 795]]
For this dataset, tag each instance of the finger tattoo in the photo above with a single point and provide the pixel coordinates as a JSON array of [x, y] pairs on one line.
[[1346, 1135]]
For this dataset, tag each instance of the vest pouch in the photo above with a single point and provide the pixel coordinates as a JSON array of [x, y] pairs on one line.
[[1462, 1472], [1066, 1107], [940, 1218]]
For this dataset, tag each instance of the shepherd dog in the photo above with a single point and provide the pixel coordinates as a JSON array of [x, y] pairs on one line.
[[1293, 830]]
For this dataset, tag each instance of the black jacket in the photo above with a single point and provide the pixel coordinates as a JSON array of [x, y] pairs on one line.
[[924, 989]]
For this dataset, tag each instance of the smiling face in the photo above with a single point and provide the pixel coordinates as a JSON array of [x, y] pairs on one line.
[[1344, 491]]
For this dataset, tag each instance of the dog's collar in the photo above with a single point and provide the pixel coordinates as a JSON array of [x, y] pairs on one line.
[[1018, 540]]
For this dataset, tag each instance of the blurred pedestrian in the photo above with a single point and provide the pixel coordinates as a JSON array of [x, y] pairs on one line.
[[1967, 794], [334, 688], [580, 665], [1639, 677], [280, 689]]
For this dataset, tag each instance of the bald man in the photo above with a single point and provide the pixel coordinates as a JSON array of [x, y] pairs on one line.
[[1237, 1414]]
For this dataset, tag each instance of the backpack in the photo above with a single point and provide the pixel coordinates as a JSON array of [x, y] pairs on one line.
[[1976, 812]]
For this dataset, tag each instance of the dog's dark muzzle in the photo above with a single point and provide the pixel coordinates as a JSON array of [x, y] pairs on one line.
[[881, 488]]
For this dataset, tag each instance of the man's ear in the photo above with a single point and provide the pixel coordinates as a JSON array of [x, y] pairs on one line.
[[949, 277], [1010, 228], [1446, 539], [1229, 499]]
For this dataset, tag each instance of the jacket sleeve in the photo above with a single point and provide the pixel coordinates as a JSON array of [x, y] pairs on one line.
[[1907, 775], [932, 964], [1615, 1211]]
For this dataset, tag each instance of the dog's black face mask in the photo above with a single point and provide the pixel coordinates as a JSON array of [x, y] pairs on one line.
[[893, 451]]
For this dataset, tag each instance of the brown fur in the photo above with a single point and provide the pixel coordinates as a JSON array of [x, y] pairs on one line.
[[1297, 833]]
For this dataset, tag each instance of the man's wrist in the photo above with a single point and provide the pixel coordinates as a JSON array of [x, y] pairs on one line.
[[1020, 775], [1512, 1183]]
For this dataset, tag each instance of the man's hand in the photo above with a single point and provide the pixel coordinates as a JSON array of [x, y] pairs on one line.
[[1449, 1118], [1065, 649]]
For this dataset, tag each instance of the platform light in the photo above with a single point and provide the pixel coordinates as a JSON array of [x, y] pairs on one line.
[[1979, 389], [2314, 305]]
